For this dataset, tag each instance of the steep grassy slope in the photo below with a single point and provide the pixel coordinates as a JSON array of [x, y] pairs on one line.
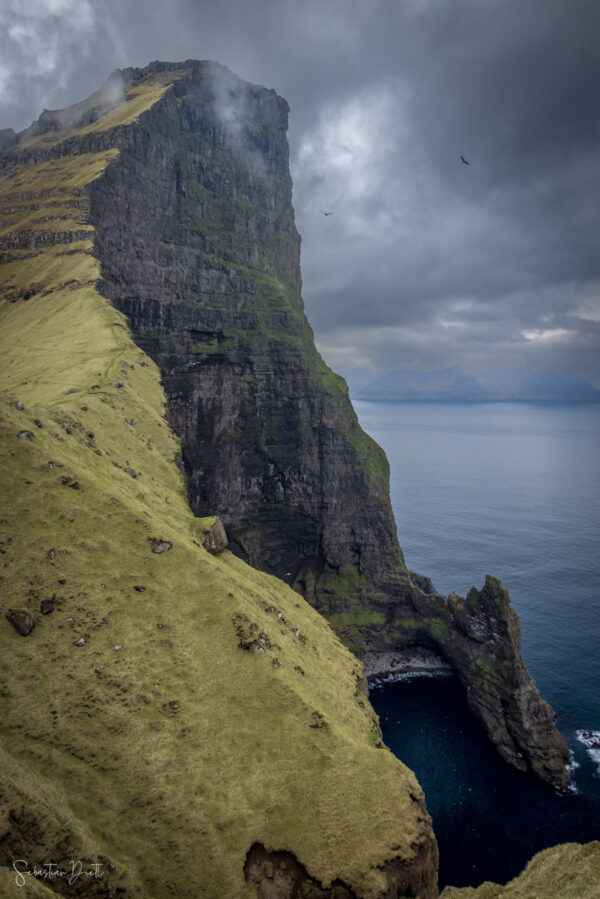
[[198, 247], [187, 722], [170, 710], [570, 871]]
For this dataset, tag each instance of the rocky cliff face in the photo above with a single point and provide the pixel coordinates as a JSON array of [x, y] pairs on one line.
[[173, 722], [197, 244], [198, 247]]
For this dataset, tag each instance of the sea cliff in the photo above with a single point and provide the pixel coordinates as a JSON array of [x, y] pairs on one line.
[[149, 245], [197, 246], [172, 719]]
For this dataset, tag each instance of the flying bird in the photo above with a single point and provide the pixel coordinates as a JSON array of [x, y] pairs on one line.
[[328, 213], [462, 159]]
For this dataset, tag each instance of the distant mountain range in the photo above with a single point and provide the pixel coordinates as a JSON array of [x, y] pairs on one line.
[[450, 385]]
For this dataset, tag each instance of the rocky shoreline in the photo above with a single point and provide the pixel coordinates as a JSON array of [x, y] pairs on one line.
[[392, 665]]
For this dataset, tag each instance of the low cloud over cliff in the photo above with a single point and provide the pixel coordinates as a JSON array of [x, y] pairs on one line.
[[427, 262]]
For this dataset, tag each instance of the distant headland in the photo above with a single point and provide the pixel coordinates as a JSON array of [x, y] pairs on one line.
[[450, 385]]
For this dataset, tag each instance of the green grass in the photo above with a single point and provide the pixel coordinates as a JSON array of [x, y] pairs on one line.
[[170, 756], [343, 596], [345, 583], [56, 178], [570, 871], [28, 887], [356, 619], [409, 623], [438, 626], [276, 306], [137, 100], [485, 668]]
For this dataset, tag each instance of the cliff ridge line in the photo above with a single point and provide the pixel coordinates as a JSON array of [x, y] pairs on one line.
[[195, 235], [138, 729]]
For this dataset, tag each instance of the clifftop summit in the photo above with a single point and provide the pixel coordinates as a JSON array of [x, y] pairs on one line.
[[193, 230], [168, 194]]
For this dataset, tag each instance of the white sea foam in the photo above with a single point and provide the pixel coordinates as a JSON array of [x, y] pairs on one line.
[[591, 741], [571, 768], [398, 676]]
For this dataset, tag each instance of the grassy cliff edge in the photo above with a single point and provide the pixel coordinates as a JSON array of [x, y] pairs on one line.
[[185, 721], [170, 709], [570, 871]]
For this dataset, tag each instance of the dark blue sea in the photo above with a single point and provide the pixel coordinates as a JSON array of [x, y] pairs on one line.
[[511, 490]]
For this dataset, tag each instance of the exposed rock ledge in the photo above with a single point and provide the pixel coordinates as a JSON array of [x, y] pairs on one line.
[[279, 875], [480, 638], [412, 660]]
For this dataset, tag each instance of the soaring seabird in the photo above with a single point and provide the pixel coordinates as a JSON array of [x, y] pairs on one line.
[[328, 213], [462, 159]]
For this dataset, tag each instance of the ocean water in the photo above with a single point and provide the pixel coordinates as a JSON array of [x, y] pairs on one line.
[[510, 490]]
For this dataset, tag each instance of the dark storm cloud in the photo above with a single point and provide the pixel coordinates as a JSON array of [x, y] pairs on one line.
[[511, 240], [427, 262]]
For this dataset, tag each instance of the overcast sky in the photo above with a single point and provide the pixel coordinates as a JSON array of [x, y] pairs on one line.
[[427, 262]]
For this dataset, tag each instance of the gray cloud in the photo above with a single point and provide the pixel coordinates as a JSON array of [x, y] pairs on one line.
[[427, 262], [232, 103]]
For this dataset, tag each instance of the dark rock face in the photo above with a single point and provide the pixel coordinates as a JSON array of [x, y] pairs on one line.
[[7, 138], [198, 247], [22, 621], [215, 539], [481, 637], [158, 545], [279, 875]]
